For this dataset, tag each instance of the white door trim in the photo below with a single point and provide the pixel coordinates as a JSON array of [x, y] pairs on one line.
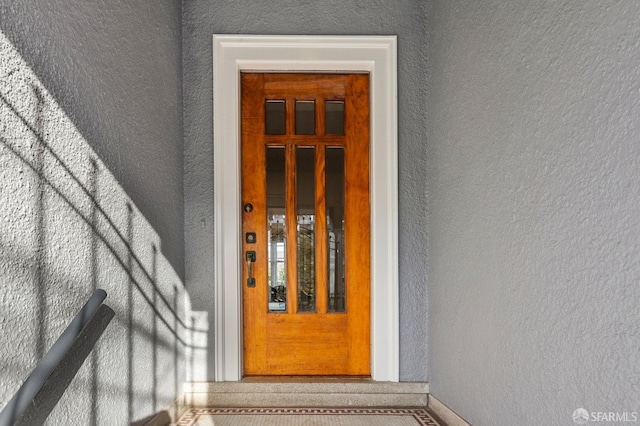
[[374, 54]]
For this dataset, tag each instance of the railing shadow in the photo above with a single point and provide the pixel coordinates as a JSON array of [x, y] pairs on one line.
[[168, 331], [89, 192]]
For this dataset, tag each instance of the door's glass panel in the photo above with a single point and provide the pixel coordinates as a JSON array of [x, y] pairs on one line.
[[305, 118], [277, 276], [334, 117], [274, 117], [305, 185], [335, 229]]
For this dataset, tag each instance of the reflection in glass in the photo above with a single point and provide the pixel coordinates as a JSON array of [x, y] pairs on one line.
[[276, 229], [274, 117], [335, 228], [334, 117], [305, 184], [305, 118]]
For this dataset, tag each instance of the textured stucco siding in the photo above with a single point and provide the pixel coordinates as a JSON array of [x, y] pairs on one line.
[[115, 67], [405, 18], [66, 228], [534, 202]]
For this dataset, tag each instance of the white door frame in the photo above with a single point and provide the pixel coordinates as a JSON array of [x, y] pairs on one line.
[[373, 54]]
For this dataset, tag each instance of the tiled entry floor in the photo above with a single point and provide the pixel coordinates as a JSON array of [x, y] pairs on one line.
[[307, 417]]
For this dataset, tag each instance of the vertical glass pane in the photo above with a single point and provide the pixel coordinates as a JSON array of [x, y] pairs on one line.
[[274, 118], [305, 118], [334, 117], [276, 229], [305, 185], [335, 229]]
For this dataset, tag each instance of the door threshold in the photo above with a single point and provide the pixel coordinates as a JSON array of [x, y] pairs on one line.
[[306, 379]]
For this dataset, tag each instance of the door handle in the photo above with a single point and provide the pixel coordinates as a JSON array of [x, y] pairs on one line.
[[250, 257]]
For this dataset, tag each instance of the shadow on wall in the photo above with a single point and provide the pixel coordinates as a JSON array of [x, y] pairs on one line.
[[67, 228]]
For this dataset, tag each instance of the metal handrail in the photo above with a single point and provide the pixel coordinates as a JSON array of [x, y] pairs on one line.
[[45, 367]]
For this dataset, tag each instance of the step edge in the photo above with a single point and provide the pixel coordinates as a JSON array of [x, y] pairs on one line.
[[306, 400]]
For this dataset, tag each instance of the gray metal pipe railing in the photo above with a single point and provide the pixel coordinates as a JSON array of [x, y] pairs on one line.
[[46, 366]]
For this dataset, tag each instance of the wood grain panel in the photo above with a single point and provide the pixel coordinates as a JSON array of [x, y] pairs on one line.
[[308, 344], [305, 86], [357, 222], [253, 191], [318, 343], [307, 140], [321, 232], [292, 230]]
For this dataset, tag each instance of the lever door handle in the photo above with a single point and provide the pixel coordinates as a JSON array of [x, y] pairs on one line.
[[250, 257]]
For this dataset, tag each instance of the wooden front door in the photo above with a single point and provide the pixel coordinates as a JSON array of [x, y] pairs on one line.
[[305, 224]]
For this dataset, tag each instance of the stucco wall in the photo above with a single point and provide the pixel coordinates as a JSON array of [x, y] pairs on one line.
[[115, 67], [66, 228], [534, 202], [403, 18]]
